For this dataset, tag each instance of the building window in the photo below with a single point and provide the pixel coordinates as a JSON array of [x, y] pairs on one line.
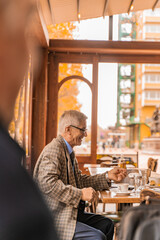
[[152, 78], [152, 28], [152, 95]]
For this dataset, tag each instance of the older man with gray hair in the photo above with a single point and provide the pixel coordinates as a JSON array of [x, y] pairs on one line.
[[66, 189]]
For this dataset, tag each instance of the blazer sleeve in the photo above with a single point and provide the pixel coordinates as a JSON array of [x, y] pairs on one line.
[[98, 181], [48, 174]]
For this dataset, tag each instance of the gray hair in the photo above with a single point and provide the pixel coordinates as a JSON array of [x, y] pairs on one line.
[[70, 117]]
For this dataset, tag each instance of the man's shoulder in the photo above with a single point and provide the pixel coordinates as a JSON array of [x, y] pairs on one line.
[[56, 143]]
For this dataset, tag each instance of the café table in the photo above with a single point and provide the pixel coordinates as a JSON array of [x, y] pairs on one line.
[[92, 165], [98, 170], [121, 201]]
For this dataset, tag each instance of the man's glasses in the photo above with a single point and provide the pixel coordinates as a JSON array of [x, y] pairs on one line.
[[84, 130]]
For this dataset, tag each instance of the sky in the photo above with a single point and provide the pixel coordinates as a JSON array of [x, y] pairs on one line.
[[97, 29]]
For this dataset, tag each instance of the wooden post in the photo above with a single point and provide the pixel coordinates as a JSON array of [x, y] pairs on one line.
[[94, 110], [111, 28], [39, 109], [52, 98]]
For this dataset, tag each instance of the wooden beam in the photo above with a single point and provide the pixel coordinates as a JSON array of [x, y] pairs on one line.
[[82, 51], [105, 47], [94, 110], [118, 58], [52, 113], [115, 58], [39, 109], [110, 28], [74, 58]]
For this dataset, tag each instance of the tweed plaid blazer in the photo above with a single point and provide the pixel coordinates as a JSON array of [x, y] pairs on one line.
[[63, 199]]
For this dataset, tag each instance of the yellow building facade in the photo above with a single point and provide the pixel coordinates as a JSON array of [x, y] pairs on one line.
[[147, 91]]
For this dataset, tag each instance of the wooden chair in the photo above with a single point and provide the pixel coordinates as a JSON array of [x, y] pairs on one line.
[[104, 159], [107, 161], [108, 164], [114, 216], [147, 196], [92, 206], [152, 164]]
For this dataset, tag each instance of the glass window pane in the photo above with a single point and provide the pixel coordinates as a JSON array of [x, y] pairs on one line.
[[76, 94]]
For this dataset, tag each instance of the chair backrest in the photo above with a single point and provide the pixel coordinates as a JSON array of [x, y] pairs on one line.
[[142, 222], [135, 218], [92, 206], [152, 164], [104, 159], [108, 164], [149, 196], [148, 230]]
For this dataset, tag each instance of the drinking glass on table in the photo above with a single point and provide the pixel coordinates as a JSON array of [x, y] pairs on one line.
[[135, 176], [145, 175]]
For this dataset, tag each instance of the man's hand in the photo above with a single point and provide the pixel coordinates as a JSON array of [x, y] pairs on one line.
[[117, 174], [88, 194]]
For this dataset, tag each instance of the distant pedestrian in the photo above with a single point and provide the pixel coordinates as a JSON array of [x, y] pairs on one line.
[[104, 146]]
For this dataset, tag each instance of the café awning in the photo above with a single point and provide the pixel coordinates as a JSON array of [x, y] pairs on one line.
[[60, 11]]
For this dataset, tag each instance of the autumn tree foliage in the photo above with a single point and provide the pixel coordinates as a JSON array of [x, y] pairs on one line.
[[67, 98], [62, 30]]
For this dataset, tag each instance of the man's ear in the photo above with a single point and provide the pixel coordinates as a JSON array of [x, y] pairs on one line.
[[67, 130]]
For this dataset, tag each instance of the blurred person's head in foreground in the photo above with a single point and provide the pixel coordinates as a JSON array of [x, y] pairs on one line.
[[15, 21], [24, 213]]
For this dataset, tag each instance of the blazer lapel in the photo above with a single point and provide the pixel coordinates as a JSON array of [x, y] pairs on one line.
[[72, 180], [68, 163]]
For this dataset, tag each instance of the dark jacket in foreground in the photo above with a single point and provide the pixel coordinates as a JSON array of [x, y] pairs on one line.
[[23, 212], [141, 223]]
